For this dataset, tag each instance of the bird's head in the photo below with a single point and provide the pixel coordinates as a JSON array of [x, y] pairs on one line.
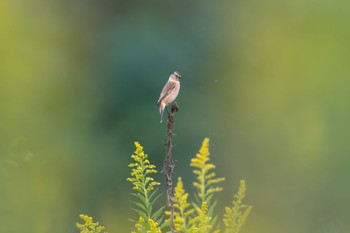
[[176, 76]]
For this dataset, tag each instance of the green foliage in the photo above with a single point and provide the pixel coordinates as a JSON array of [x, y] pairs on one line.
[[198, 216], [190, 217], [183, 209], [89, 226], [206, 180], [206, 183], [236, 215], [145, 193]]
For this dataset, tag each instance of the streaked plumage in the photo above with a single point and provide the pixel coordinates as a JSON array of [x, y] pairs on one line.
[[169, 93]]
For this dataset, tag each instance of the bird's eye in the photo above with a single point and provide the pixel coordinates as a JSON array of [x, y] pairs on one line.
[[177, 74]]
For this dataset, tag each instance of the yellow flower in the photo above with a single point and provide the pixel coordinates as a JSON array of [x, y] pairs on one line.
[[144, 185], [153, 227], [89, 225], [182, 208], [235, 216], [205, 180]]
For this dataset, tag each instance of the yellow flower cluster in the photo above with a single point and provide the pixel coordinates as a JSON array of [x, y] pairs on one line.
[[198, 218], [183, 210], [140, 169], [141, 226], [201, 223], [205, 176], [144, 185], [89, 226], [193, 217], [235, 216]]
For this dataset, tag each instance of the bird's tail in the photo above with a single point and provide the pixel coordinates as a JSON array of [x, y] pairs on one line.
[[161, 111]]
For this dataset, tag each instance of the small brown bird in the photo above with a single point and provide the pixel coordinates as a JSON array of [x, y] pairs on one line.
[[169, 93]]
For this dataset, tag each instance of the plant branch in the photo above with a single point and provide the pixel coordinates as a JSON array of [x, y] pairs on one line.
[[169, 164]]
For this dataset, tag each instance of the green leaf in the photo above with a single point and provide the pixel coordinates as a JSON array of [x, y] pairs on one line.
[[197, 199], [142, 198], [142, 207], [195, 205], [152, 194], [208, 197], [149, 210], [165, 224], [211, 208], [160, 220], [156, 214], [155, 199], [214, 221], [140, 213]]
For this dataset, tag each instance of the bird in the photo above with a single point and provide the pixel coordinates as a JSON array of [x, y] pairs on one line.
[[169, 93]]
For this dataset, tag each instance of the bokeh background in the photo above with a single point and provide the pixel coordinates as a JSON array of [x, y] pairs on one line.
[[267, 81]]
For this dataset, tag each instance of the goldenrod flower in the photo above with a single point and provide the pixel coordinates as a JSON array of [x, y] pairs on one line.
[[144, 185], [205, 177], [89, 225], [235, 216]]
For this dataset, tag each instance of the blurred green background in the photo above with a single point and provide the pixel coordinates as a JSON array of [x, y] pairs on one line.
[[267, 81]]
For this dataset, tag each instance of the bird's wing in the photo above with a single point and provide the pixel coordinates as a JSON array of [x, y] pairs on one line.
[[167, 89]]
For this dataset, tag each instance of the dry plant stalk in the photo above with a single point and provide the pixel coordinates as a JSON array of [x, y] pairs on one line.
[[169, 164]]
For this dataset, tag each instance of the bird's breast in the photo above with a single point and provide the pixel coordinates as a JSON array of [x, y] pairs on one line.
[[172, 96]]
